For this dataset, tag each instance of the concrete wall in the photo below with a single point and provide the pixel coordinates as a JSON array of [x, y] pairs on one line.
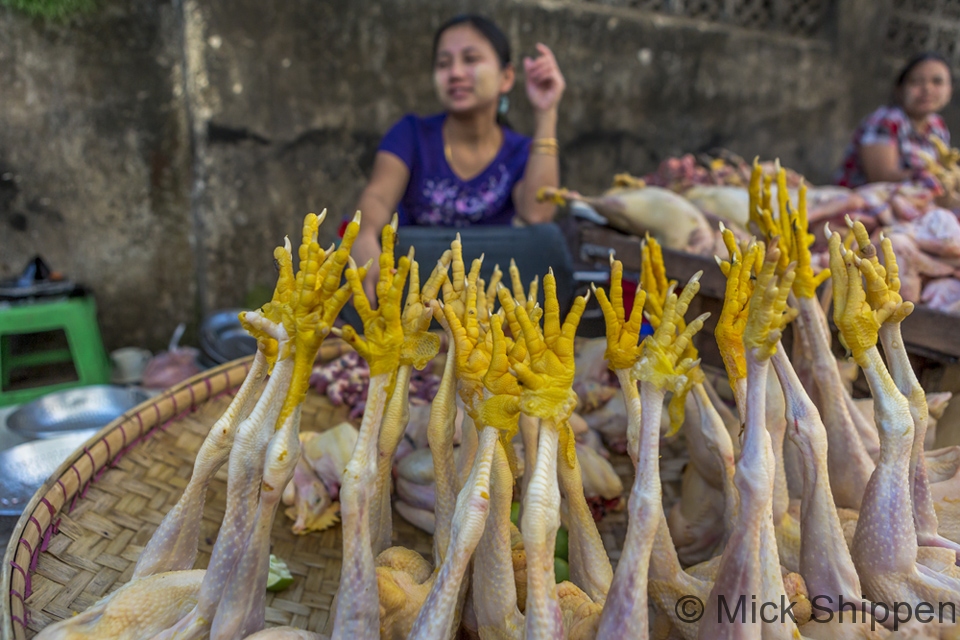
[[157, 151]]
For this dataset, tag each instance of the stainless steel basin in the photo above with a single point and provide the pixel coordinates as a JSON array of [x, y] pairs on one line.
[[81, 409], [25, 467]]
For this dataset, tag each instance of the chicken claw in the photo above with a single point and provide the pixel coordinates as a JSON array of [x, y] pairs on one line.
[[382, 339], [460, 286], [661, 363], [502, 408], [740, 271], [768, 308], [420, 346], [472, 352], [857, 321], [654, 282], [547, 381], [623, 335]]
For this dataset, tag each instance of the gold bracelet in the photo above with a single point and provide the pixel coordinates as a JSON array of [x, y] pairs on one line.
[[546, 146]]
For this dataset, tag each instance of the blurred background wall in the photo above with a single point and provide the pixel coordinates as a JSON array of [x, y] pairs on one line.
[[156, 150]]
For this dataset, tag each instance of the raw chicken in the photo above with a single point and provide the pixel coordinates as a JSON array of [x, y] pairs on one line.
[[668, 217], [885, 547], [942, 294], [937, 232], [915, 264]]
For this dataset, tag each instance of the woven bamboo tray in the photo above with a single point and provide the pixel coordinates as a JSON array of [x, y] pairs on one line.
[[80, 536]]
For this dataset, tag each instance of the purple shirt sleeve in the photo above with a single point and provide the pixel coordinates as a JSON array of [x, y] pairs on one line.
[[401, 140]]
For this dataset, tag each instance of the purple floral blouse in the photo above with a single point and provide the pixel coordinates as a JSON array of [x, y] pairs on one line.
[[435, 195]]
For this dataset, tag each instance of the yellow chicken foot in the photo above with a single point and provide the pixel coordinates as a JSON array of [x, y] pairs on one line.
[[623, 348]]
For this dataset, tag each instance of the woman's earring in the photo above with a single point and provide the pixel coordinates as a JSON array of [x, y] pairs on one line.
[[504, 105]]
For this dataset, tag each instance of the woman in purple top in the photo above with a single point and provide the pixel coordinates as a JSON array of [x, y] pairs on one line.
[[463, 167]]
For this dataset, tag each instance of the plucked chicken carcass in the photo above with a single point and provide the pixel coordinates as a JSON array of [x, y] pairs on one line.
[[668, 217], [942, 294], [310, 497]]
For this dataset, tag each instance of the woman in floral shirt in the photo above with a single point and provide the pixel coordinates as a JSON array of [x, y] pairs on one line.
[[462, 166], [890, 143]]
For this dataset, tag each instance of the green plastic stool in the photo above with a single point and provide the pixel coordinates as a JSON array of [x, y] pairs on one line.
[[77, 318]]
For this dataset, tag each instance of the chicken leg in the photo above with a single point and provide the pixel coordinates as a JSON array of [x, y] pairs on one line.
[[850, 462], [825, 561], [625, 612], [173, 546], [547, 394], [885, 282], [885, 543], [419, 347], [357, 609], [750, 565]]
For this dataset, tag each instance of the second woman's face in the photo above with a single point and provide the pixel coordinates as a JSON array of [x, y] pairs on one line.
[[466, 72], [926, 89]]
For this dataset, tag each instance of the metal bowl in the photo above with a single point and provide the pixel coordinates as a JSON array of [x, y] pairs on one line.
[[84, 408], [223, 339], [25, 467]]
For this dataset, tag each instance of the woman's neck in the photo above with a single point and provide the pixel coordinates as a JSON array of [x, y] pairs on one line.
[[920, 122], [474, 129]]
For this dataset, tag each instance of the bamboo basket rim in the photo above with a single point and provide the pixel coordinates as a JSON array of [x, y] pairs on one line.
[[83, 468]]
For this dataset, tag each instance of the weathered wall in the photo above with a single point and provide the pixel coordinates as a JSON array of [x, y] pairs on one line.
[[95, 163], [160, 150]]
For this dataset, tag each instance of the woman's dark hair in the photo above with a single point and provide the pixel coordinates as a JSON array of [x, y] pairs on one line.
[[492, 33], [487, 28], [916, 60]]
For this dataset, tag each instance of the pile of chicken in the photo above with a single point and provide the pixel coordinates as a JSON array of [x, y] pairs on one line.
[[683, 203], [513, 369]]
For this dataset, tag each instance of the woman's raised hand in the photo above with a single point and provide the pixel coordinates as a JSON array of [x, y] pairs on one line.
[[545, 83]]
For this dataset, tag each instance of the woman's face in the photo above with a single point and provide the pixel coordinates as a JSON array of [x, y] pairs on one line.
[[466, 72], [926, 89]]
